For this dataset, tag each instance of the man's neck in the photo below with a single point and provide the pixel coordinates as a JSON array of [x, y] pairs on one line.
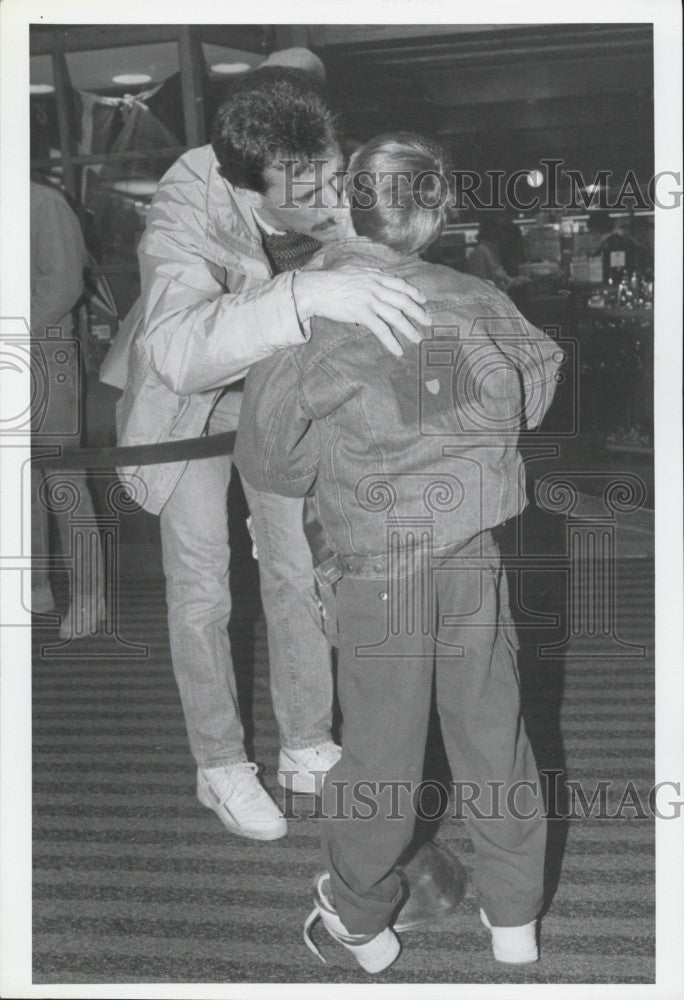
[[265, 226]]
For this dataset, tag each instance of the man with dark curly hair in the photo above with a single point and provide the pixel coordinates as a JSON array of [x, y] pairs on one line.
[[210, 307]]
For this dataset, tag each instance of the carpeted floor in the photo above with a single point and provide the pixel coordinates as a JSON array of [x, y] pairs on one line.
[[134, 881]]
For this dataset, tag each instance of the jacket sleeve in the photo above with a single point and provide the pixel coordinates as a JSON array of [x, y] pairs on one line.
[[58, 257], [276, 450], [196, 335], [536, 356], [286, 398]]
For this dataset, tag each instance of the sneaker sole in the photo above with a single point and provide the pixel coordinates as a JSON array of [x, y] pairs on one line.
[[274, 832], [368, 955], [502, 956], [383, 961], [373, 963], [508, 957]]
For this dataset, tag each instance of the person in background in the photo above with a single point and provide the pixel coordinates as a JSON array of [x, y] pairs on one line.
[[495, 243], [58, 260], [223, 222], [618, 247], [383, 442]]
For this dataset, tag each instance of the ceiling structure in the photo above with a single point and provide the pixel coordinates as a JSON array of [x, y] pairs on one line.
[[500, 97], [506, 97]]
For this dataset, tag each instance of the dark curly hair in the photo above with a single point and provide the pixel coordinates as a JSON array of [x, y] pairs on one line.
[[274, 113]]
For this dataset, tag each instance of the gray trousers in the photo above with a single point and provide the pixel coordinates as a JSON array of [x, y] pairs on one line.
[[393, 639]]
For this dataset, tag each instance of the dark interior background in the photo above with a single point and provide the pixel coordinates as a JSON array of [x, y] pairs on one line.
[[499, 96]]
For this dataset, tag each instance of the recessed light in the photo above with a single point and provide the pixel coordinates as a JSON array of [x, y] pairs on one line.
[[227, 69], [132, 79], [41, 88]]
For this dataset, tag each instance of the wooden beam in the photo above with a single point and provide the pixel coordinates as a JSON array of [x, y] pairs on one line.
[[247, 37], [130, 154], [486, 47], [192, 83], [45, 40], [64, 101]]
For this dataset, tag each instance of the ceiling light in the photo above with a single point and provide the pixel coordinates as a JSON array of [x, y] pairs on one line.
[[132, 79], [227, 69], [41, 88]]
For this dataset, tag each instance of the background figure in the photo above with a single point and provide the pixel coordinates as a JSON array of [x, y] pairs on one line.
[[58, 258], [620, 249], [496, 257]]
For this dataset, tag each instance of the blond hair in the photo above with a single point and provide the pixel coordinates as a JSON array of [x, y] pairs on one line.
[[398, 190]]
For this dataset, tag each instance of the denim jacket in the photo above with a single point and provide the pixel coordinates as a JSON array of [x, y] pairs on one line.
[[425, 444]]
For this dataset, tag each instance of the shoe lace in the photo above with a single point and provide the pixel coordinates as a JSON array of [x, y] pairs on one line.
[[308, 923], [237, 782], [321, 881], [324, 901]]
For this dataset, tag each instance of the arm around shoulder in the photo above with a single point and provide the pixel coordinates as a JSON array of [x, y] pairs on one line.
[[198, 334]]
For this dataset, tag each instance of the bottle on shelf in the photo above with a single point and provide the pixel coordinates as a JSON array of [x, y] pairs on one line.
[[618, 256]]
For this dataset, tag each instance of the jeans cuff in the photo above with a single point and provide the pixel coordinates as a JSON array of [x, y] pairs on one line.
[[511, 914], [304, 744], [361, 916], [235, 757]]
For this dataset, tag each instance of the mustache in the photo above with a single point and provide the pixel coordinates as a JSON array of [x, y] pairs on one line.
[[325, 224]]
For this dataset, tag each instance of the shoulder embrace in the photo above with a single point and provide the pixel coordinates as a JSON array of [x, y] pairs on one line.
[[440, 279]]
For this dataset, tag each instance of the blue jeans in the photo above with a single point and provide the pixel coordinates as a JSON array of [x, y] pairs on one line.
[[196, 557]]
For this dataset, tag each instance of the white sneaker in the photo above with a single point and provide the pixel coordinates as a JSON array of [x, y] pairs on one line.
[[240, 801], [303, 771], [374, 953], [516, 945]]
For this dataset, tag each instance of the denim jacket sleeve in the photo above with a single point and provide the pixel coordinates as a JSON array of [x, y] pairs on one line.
[[275, 448], [536, 356]]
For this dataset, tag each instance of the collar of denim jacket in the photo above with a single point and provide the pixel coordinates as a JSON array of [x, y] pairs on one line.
[[363, 252]]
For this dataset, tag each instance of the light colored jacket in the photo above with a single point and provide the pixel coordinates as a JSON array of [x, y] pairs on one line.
[[207, 311]]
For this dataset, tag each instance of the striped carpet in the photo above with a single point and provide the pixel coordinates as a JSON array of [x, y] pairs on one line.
[[134, 881]]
